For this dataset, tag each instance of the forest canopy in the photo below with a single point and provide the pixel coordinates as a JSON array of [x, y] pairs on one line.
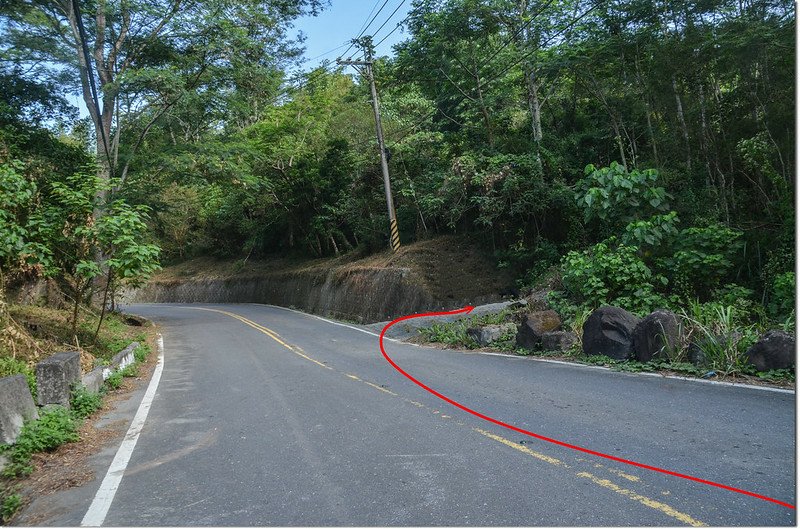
[[643, 149]]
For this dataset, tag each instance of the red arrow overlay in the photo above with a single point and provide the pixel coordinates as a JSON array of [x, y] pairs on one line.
[[458, 405]]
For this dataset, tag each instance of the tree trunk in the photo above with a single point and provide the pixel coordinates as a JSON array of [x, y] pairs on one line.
[[682, 121]]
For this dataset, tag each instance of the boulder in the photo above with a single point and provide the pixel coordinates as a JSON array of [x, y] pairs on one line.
[[16, 406], [656, 336], [609, 331], [775, 350], [534, 325], [558, 340], [696, 354], [489, 334], [55, 377], [134, 321]]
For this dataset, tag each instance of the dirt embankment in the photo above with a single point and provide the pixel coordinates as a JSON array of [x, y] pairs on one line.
[[443, 273]]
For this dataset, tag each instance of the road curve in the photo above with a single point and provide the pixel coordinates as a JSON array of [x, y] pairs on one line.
[[266, 416]]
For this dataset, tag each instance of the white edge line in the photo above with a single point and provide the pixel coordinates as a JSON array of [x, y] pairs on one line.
[[561, 362], [672, 377], [96, 514]]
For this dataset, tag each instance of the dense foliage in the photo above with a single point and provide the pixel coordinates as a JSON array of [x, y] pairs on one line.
[[643, 150]]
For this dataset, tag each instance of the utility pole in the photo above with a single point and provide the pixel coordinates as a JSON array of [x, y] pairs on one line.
[[366, 43]]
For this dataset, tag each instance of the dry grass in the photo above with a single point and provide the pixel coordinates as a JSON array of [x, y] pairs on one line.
[[449, 267], [32, 333]]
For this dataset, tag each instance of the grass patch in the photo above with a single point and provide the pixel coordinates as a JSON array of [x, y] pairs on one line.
[[11, 504], [454, 333], [84, 402], [54, 427], [141, 353], [130, 370], [114, 381], [50, 330]]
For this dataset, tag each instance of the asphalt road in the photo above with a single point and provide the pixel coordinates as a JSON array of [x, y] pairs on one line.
[[265, 416]]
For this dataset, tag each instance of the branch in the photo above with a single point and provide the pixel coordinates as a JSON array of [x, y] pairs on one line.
[[463, 93], [152, 122]]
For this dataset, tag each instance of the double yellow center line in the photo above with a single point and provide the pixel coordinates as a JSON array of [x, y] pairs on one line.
[[605, 483], [269, 332]]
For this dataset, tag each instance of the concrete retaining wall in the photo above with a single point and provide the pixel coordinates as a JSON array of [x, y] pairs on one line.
[[93, 380], [357, 294]]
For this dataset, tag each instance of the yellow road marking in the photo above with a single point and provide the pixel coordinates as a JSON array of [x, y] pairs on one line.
[[629, 477], [379, 388], [269, 332], [521, 448], [644, 500]]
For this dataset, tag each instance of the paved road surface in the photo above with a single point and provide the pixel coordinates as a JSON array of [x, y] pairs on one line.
[[320, 430]]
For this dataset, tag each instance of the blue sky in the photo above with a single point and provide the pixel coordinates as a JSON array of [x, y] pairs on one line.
[[343, 20]]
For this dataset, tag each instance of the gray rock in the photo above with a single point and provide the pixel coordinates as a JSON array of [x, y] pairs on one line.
[[16, 406], [609, 331], [558, 340], [656, 336], [55, 376], [775, 350], [696, 354], [489, 334], [535, 324]]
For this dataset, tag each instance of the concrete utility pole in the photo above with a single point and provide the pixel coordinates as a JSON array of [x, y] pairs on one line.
[[367, 64]]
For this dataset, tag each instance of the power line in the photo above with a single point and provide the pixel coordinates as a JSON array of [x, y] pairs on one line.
[[515, 35], [352, 42], [547, 41], [389, 34], [396, 9], [327, 52]]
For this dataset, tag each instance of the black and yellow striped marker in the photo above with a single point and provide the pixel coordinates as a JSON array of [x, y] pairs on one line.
[[395, 235]]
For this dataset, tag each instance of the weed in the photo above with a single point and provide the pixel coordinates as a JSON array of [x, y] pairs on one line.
[[84, 402], [54, 427], [130, 370], [455, 333], [723, 337], [777, 375], [11, 503], [599, 360], [114, 381], [140, 353]]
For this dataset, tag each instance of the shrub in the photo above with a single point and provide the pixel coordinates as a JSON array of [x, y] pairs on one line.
[[84, 402], [140, 353], [54, 427], [781, 305], [702, 257], [11, 503], [615, 195], [114, 381], [609, 274]]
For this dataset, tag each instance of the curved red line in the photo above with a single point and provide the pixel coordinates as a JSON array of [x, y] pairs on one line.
[[549, 439]]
